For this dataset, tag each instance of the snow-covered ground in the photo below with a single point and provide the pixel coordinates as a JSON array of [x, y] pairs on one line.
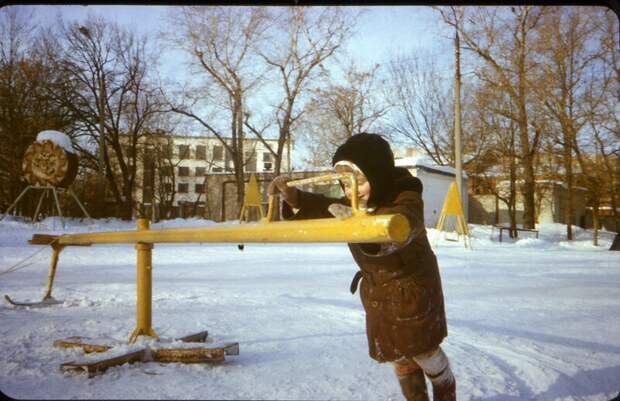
[[528, 319]]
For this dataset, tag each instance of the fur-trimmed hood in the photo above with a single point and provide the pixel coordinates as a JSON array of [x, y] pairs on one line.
[[373, 155]]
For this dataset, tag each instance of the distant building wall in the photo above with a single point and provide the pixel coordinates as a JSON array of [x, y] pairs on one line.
[[221, 202], [550, 201]]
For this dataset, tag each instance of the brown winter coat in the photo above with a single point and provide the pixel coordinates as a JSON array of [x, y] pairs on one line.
[[400, 288]]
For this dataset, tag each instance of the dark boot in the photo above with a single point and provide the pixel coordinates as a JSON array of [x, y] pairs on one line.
[[445, 392], [413, 386]]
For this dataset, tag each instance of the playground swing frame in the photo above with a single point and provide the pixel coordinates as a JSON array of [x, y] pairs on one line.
[[359, 228]]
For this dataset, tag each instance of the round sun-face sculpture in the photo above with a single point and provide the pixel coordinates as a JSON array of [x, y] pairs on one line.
[[47, 163]]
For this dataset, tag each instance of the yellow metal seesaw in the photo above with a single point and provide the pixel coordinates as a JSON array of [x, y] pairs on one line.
[[359, 228]]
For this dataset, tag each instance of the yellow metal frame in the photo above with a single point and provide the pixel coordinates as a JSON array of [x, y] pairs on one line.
[[452, 207], [144, 268], [359, 228], [251, 199]]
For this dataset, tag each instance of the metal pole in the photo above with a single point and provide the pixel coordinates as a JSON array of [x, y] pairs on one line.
[[16, 201], [143, 287], [52, 272], [36, 212], [101, 124], [457, 117]]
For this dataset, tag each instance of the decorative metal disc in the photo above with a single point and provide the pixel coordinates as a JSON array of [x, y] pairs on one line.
[[45, 163]]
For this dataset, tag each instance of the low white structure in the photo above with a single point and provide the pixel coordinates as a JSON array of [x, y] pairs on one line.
[[550, 201], [436, 181]]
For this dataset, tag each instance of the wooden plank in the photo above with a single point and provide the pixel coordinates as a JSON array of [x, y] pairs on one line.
[[41, 304], [188, 355], [82, 342], [231, 348], [42, 239], [200, 337], [96, 367], [47, 239]]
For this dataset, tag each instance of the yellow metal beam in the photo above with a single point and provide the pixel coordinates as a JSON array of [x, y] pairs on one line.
[[357, 229]]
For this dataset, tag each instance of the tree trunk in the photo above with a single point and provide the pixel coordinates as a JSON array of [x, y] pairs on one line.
[[528, 189], [239, 154], [512, 207], [568, 171], [595, 223]]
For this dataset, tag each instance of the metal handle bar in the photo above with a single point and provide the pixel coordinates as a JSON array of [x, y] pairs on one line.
[[323, 178]]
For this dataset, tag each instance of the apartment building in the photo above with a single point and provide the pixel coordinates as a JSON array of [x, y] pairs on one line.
[[183, 169]]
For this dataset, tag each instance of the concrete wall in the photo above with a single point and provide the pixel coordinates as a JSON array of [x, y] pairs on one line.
[[550, 203]]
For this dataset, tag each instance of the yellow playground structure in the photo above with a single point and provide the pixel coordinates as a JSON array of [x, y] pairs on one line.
[[359, 228]]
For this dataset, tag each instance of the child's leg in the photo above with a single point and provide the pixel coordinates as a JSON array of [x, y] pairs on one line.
[[411, 380], [436, 366]]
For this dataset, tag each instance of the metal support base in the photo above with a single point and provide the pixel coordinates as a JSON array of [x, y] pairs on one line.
[[161, 353], [44, 195]]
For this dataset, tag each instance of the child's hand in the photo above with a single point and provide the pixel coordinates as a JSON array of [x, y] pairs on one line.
[[340, 211], [278, 185]]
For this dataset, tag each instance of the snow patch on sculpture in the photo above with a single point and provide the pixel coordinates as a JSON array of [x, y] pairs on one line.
[[58, 138]]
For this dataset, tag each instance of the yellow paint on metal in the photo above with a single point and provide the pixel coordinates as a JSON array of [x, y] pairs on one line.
[[143, 286], [252, 193], [360, 228], [334, 177], [356, 229], [251, 198], [452, 207], [56, 249]]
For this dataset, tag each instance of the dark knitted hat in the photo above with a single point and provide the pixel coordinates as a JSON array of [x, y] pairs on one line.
[[373, 155]]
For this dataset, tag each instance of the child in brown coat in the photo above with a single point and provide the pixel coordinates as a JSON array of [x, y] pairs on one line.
[[400, 283]]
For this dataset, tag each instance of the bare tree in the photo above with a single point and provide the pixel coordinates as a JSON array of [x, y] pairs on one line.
[[162, 162], [15, 37], [303, 39], [493, 109], [565, 58], [108, 65], [423, 106], [503, 41], [598, 147], [340, 110], [25, 108], [221, 43]]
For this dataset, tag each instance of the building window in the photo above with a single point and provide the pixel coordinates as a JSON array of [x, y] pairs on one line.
[[267, 161], [200, 171], [217, 169], [183, 151], [228, 161], [183, 171], [218, 152], [199, 188], [183, 188], [167, 187], [201, 152]]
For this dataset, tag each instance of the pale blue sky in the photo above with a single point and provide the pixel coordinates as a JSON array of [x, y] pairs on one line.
[[381, 30], [381, 33]]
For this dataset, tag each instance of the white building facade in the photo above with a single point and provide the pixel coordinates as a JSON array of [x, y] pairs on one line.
[[190, 160], [436, 181], [196, 157]]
